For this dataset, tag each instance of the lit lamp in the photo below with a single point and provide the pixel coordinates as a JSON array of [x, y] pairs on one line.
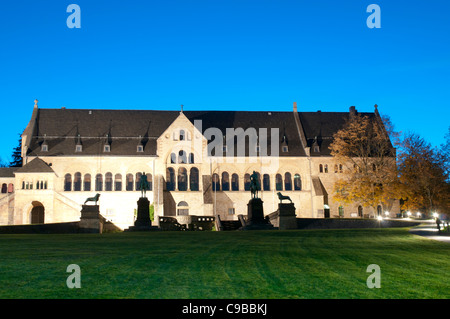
[[380, 218], [409, 214], [387, 214], [435, 215]]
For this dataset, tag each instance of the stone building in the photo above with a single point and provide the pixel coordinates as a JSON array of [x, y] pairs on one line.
[[195, 161]]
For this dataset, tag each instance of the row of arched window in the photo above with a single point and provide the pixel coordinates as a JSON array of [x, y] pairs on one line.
[[30, 185], [183, 182], [323, 168], [107, 182]]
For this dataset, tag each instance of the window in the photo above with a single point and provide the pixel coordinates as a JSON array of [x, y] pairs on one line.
[[149, 181], [11, 187], [278, 182], [108, 182], [182, 158], [340, 168], [129, 182], [297, 182], [170, 179], [341, 211], [183, 209], [98, 182], [182, 179], [266, 182], [320, 168], [193, 179], [78, 148], [44, 148], [287, 182], [107, 148], [138, 181], [225, 181], [360, 211], [234, 182], [335, 168], [285, 149], [173, 158], [247, 182], [316, 149], [118, 182], [326, 168], [215, 182], [182, 135], [4, 188], [67, 183], [231, 211], [76, 182], [191, 158], [140, 148], [87, 182]]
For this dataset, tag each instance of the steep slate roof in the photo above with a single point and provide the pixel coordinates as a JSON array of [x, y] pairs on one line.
[[59, 128], [35, 166]]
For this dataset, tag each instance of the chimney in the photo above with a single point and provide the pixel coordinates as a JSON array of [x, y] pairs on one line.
[[295, 106], [352, 110]]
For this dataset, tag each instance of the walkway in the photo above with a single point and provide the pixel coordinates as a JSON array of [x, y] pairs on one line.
[[429, 230]]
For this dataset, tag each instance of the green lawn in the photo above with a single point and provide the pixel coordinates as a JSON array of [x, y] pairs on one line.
[[250, 264]]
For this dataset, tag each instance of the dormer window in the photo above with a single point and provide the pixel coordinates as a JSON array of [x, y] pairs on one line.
[[78, 148], [44, 148], [316, 149], [285, 149], [107, 148], [140, 148]]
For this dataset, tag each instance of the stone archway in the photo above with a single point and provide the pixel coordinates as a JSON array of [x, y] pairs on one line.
[[37, 213]]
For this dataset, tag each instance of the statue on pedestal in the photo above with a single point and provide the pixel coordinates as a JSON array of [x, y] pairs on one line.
[[254, 185], [143, 184]]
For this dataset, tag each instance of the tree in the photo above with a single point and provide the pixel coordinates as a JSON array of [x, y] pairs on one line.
[[17, 155], [424, 176], [364, 148]]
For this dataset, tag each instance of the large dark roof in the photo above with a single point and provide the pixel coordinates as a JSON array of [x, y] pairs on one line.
[[60, 128]]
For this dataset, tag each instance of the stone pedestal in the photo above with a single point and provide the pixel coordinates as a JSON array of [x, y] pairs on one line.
[[90, 221], [255, 216], [143, 222], [286, 216]]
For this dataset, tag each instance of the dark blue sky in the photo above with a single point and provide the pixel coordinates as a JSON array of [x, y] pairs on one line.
[[227, 55]]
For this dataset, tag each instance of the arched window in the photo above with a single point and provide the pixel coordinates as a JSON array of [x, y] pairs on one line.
[[87, 182], [182, 179], [183, 209], [182, 158], [225, 181], [320, 168], [11, 188], [193, 179], [335, 168], [215, 182], [4, 188], [182, 135], [341, 211], [138, 181], [234, 182], [150, 181], [173, 158], [287, 182], [297, 182], [76, 182], [360, 211], [170, 179], [266, 182], [278, 182], [326, 168], [98, 182], [247, 182], [108, 182], [67, 183], [118, 182], [130, 182], [340, 168], [191, 158]]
